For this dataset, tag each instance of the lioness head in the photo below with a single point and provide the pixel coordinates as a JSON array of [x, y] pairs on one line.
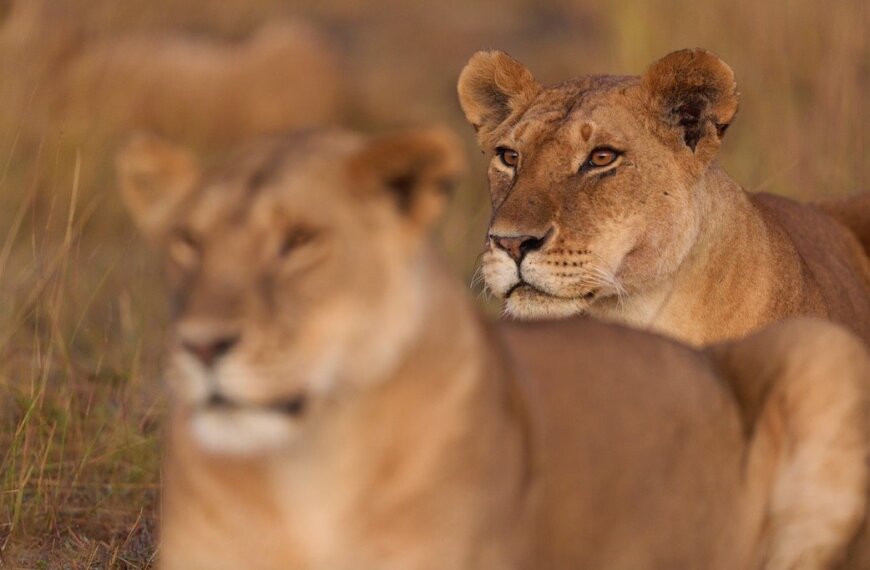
[[294, 267], [593, 180]]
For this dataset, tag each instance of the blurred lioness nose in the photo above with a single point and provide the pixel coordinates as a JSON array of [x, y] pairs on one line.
[[207, 343]]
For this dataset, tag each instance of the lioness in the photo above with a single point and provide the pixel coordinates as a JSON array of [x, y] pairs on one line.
[[339, 404], [607, 200]]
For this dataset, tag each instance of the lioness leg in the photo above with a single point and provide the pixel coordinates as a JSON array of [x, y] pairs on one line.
[[803, 390]]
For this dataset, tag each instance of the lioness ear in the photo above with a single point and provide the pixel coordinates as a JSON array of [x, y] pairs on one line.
[[492, 87], [694, 91], [418, 168], [155, 176]]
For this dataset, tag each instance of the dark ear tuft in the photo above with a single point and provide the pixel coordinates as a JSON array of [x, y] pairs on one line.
[[695, 92], [492, 87], [418, 168], [689, 118], [403, 187]]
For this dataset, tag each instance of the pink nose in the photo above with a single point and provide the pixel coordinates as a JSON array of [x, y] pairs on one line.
[[518, 246]]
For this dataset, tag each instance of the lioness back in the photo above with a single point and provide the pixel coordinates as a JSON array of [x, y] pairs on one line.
[[835, 278], [631, 422], [854, 213]]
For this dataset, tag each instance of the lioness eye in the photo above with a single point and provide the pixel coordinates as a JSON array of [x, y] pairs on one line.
[[509, 157], [295, 239], [602, 157]]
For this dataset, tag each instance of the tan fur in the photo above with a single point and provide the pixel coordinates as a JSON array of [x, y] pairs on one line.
[[662, 238], [365, 417]]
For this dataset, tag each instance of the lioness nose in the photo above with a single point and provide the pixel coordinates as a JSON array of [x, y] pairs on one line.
[[518, 246], [208, 351]]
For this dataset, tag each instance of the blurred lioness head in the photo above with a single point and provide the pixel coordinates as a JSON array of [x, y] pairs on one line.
[[280, 260], [592, 180]]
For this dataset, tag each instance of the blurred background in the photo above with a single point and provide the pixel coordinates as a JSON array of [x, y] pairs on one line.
[[82, 309]]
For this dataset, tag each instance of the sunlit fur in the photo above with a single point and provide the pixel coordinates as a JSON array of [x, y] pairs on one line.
[[660, 238]]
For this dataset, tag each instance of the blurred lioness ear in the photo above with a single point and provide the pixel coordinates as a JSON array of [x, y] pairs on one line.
[[695, 93], [155, 176], [417, 168], [492, 87]]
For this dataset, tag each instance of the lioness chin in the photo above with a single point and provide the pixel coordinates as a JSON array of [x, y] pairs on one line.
[[607, 200], [338, 403]]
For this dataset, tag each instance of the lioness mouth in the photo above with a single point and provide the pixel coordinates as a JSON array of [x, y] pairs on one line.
[[588, 296], [519, 284], [292, 406]]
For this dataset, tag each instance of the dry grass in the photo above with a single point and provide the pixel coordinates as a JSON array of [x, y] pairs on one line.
[[82, 313], [77, 408]]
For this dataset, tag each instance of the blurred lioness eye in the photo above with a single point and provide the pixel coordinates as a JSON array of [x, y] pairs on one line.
[[296, 238]]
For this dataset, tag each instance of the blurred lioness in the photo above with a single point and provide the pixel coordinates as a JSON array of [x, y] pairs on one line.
[[285, 74], [607, 200], [338, 403]]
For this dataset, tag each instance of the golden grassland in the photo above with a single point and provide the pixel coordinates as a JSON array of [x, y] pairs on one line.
[[81, 302]]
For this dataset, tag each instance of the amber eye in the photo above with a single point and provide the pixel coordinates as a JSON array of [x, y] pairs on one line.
[[296, 239], [508, 156], [601, 157]]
